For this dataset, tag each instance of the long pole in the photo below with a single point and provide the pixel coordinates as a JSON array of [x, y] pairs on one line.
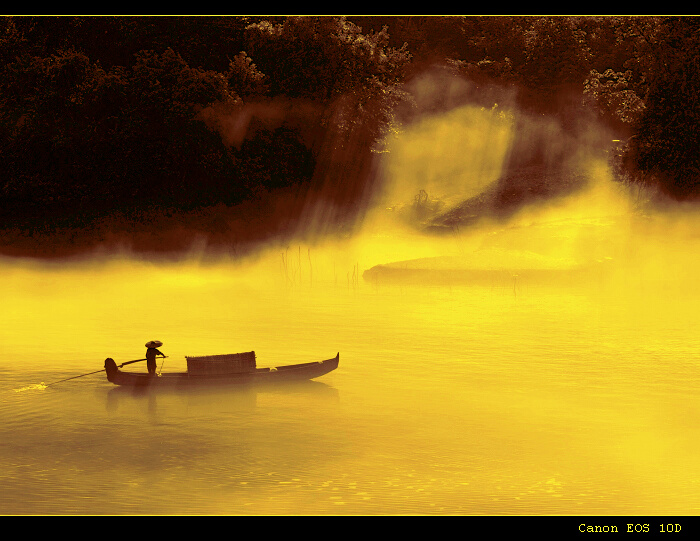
[[95, 372], [74, 377], [129, 362]]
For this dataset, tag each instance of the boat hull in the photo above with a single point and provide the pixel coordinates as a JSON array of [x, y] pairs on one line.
[[293, 372]]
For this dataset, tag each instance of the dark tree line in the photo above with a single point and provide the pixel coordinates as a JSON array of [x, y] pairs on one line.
[[638, 74], [120, 114], [104, 114]]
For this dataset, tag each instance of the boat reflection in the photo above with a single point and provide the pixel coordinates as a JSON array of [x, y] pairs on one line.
[[239, 397]]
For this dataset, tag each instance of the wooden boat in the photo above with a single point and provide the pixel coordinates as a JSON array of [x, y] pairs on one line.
[[252, 375]]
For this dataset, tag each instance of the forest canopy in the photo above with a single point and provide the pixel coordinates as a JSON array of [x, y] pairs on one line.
[[105, 115]]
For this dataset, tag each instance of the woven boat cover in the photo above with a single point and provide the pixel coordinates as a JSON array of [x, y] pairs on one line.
[[213, 365]]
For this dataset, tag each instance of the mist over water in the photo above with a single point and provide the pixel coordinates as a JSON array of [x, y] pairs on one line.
[[542, 361]]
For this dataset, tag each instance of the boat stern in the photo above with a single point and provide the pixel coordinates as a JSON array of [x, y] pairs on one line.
[[111, 369]]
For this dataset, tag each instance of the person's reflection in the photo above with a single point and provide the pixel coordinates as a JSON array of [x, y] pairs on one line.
[[152, 407], [114, 396]]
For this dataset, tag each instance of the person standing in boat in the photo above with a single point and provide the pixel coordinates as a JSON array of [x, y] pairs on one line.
[[151, 353]]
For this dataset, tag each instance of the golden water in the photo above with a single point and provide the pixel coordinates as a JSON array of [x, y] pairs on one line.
[[472, 399], [507, 396]]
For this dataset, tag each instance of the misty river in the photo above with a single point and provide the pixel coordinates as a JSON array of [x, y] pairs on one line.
[[545, 364], [506, 396]]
